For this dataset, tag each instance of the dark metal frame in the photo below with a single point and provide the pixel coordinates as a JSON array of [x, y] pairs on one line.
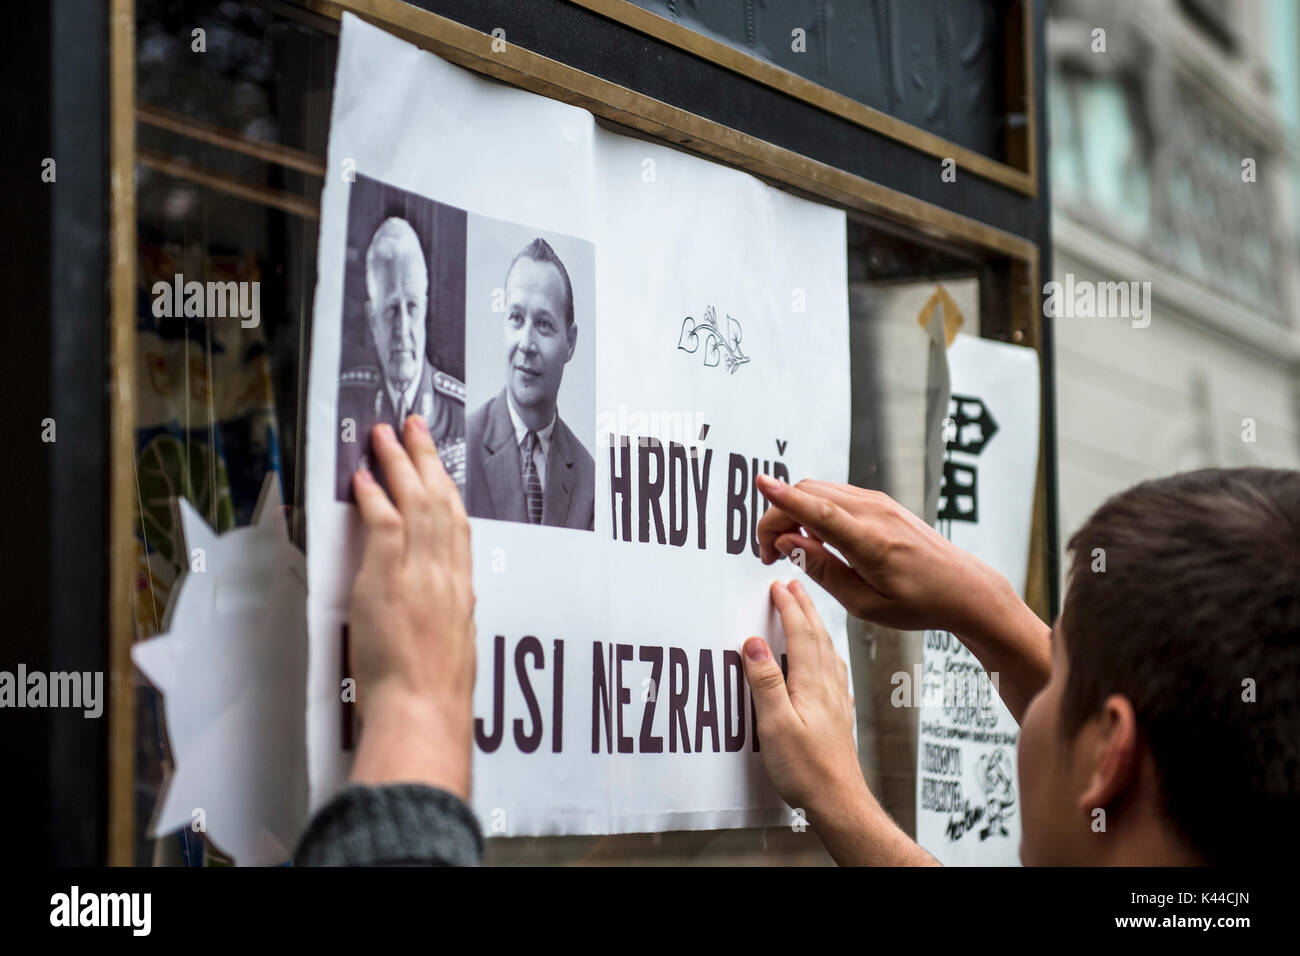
[[56, 525]]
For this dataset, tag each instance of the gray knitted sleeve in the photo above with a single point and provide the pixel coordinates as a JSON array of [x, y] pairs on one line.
[[401, 824]]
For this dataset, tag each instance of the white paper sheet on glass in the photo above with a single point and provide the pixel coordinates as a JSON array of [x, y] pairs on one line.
[[657, 242], [967, 791], [229, 665]]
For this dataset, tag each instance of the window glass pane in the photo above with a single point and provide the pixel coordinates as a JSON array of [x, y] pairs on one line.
[[937, 64], [232, 117], [232, 123]]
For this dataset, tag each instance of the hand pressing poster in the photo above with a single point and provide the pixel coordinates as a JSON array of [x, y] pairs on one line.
[[967, 789], [609, 339]]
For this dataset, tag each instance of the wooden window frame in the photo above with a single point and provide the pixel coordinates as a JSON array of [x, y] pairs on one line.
[[612, 103]]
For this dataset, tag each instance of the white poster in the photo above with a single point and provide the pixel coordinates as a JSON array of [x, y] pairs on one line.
[[967, 792], [664, 328]]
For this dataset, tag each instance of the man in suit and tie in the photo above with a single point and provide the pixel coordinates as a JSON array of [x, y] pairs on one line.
[[522, 462], [405, 382]]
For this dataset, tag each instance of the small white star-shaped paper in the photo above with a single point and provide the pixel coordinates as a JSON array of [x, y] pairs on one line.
[[231, 667]]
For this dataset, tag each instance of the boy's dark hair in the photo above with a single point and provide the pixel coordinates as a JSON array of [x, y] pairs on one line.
[[1196, 620]]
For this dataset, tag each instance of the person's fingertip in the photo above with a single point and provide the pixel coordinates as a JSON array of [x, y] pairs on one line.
[[756, 649], [383, 432], [782, 599], [417, 421], [363, 476], [795, 587], [784, 546]]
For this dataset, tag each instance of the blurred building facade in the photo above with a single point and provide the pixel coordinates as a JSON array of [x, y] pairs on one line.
[[1174, 161]]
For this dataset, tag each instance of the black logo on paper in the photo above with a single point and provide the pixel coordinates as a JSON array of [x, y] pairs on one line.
[[967, 429], [717, 345]]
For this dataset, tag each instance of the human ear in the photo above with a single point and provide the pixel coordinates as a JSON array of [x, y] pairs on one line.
[[571, 333], [1109, 742]]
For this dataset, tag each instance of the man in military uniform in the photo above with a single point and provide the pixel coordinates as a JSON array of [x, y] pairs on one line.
[[405, 382]]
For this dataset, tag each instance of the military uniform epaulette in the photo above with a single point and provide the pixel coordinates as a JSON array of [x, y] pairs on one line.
[[365, 375], [449, 385]]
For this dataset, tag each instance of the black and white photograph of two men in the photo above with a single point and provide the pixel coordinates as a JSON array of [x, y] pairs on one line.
[[484, 329]]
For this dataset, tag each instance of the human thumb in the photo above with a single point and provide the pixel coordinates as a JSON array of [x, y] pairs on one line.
[[766, 682]]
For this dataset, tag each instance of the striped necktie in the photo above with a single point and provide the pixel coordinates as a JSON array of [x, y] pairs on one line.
[[532, 485]]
